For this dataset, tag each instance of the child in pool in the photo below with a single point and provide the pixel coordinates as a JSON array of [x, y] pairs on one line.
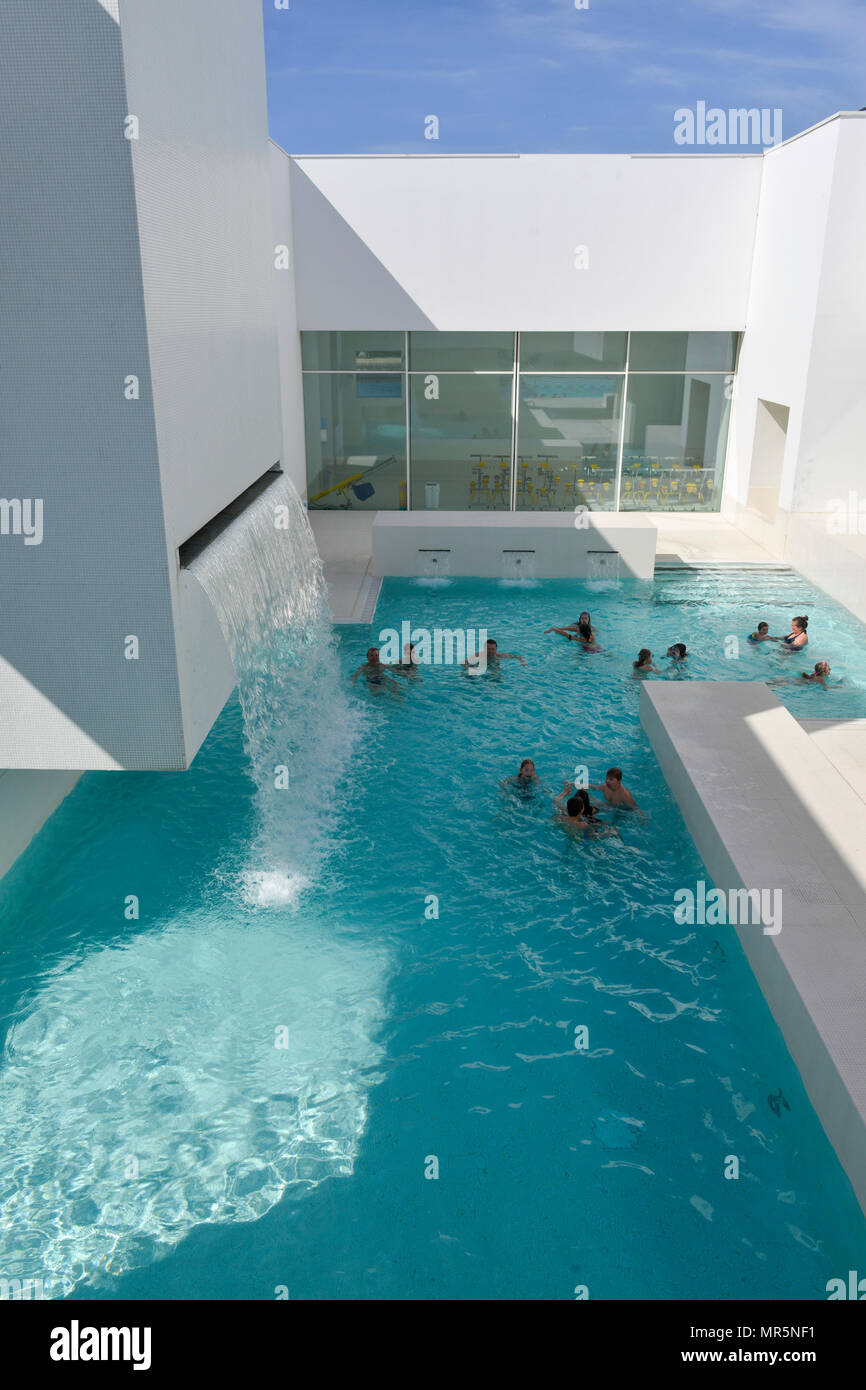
[[645, 661], [579, 628], [819, 675], [761, 633], [677, 652], [577, 815]]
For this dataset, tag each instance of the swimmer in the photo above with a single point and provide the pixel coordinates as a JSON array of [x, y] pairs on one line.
[[408, 667], [677, 652], [615, 794], [796, 638], [577, 814], [526, 783], [645, 661], [761, 634], [584, 621], [819, 675], [374, 672], [491, 656]]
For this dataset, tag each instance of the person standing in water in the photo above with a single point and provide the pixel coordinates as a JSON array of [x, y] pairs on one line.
[[526, 783], [615, 794], [408, 667], [583, 626], [490, 658], [375, 672], [644, 662], [797, 638]]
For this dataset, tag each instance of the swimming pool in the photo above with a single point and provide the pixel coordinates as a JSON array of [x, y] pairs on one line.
[[158, 1142]]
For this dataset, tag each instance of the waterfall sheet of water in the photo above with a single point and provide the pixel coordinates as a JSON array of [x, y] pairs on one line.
[[264, 579]]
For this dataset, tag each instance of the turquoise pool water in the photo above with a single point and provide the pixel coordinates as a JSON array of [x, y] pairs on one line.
[[158, 1142]]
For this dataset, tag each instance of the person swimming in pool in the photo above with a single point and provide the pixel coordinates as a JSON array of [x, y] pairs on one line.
[[644, 662], [761, 634], [819, 675], [526, 783], [574, 811], [408, 667], [583, 623], [490, 658], [797, 637], [615, 794], [375, 672], [677, 652]]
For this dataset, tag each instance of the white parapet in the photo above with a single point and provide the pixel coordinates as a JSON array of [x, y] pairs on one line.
[[769, 811], [511, 545]]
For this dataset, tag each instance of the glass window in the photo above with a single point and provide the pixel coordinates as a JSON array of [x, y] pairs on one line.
[[572, 352], [568, 432], [461, 441], [356, 441], [675, 437], [461, 352], [683, 352], [352, 352]]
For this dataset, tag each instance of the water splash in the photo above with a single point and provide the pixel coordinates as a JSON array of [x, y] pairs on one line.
[[144, 1093], [264, 579]]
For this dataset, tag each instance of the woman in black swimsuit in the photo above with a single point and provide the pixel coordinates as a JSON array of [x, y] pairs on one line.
[[796, 638]]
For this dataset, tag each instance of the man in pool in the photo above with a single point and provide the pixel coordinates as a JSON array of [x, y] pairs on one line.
[[375, 672], [615, 794], [489, 658]]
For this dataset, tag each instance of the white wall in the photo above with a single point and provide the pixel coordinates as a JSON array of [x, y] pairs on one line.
[[833, 439], [789, 252], [195, 79], [150, 257], [291, 388], [487, 242]]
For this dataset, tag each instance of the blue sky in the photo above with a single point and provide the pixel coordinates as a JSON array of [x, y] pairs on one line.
[[360, 76]]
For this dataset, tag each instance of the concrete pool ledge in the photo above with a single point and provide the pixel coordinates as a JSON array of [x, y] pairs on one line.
[[769, 809]]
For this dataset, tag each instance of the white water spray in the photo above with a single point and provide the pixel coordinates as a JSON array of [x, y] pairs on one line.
[[264, 578]]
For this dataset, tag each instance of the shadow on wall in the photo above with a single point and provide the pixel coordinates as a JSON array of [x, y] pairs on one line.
[[348, 271]]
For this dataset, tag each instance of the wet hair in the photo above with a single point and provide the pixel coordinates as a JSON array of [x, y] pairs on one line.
[[763, 627], [585, 630], [822, 668], [580, 804], [491, 642], [643, 655], [614, 772], [585, 614], [802, 622], [370, 651], [677, 650], [527, 762]]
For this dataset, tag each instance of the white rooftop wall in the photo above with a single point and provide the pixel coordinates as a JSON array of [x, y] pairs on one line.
[[488, 243]]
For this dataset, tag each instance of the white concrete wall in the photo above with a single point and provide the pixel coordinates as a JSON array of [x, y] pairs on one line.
[[195, 79], [487, 242], [833, 438], [150, 257], [27, 799], [72, 326], [291, 386]]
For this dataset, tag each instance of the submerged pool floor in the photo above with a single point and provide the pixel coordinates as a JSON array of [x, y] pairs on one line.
[[374, 1091]]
